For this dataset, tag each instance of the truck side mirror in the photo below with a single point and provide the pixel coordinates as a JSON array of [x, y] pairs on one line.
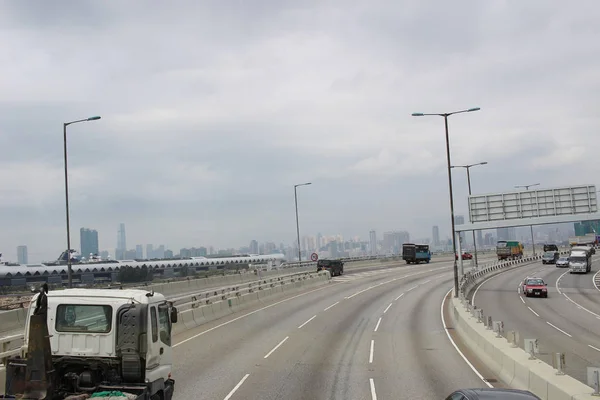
[[174, 315]]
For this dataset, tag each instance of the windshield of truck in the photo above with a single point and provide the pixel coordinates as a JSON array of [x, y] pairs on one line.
[[422, 249], [577, 259], [501, 244], [83, 318], [549, 254]]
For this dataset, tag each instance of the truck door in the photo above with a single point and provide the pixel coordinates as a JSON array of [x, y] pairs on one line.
[[160, 356], [153, 357]]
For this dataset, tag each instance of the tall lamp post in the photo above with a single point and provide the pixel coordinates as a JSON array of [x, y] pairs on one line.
[[297, 223], [530, 226], [69, 269], [468, 167], [445, 116]]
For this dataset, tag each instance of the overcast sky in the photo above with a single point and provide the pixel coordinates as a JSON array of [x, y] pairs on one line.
[[213, 110]]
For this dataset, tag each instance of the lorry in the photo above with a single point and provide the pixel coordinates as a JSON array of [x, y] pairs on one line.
[[335, 267], [589, 238], [580, 259], [416, 253], [509, 249], [80, 343]]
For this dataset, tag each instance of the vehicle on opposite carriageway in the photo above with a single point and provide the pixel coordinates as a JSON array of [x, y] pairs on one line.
[[533, 286], [416, 253], [335, 267]]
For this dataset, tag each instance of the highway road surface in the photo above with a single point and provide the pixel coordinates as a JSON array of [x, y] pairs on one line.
[[568, 321], [378, 335]]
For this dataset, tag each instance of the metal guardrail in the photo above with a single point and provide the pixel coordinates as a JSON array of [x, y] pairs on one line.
[[6, 343], [212, 295]]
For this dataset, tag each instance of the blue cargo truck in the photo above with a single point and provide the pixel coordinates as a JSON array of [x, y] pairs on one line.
[[416, 253]]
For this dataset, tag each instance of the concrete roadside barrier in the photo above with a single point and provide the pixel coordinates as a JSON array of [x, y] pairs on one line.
[[513, 365]]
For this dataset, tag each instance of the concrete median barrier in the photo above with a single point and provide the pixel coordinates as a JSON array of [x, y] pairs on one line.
[[511, 364], [202, 314]]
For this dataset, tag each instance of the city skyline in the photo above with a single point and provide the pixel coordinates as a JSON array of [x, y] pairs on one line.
[[389, 241]]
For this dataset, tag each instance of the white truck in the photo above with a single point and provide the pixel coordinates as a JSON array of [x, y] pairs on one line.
[[580, 259], [80, 342]]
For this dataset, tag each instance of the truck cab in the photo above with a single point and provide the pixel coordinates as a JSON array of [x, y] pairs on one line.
[[103, 339], [580, 260]]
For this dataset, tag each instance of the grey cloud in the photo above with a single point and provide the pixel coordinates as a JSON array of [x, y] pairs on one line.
[[212, 111]]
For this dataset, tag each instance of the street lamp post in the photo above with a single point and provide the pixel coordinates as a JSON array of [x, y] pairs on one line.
[[530, 226], [69, 269], [468, 167], [445, 116], [297, 223]]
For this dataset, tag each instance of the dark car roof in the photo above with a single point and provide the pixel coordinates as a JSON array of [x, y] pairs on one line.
[[498, 394]]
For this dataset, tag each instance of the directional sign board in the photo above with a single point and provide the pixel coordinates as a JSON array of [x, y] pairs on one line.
[[314, 256], [555, 202]]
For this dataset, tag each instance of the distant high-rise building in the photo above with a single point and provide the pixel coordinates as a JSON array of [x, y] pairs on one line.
[[160, 252], [121, 250], [393, 241], [168, 254], [373, 242], [22, 257], [253, 247], [139, 251], [436, 235], [89, 242], [506, 233], [149, 251], [479, 238]]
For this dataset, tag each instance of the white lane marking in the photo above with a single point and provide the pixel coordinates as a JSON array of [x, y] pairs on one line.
[[276, 347], [454, 344], [310, 319], [373, 393], [573, 301], [237, 387], [399, 296], [371, 352], [558, 279], [377, 326], [581, 307], [414, 287], [523, 301], [248, 314], [387, 308], [594, 280], [393, 280], [558, 329], [427, 281], [593, 347], [479, 287], [531, 309], [333, 305]]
